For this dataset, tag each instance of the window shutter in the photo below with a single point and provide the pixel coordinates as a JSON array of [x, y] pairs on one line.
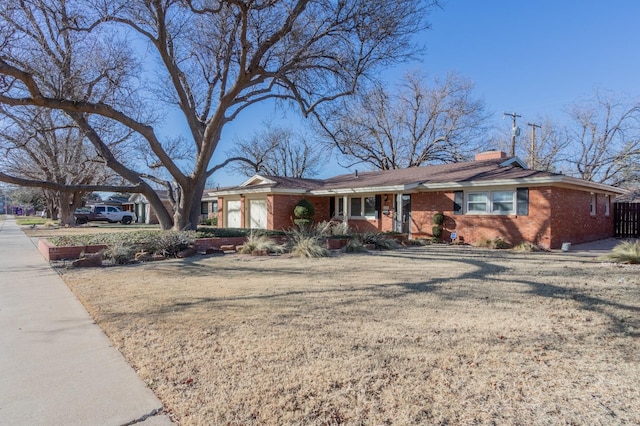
[[332, 207], [379, 206], [523, 201], [458, 201]]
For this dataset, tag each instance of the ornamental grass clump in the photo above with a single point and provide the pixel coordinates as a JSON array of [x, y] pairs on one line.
[[380, 241], [166, 243], [332, 229], [625, 252], [305, 244], [495, 243], [258, 242], [526, 246], [119, 253], [355, 245]]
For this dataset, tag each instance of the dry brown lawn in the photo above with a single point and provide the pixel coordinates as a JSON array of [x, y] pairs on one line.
[[427, 335]]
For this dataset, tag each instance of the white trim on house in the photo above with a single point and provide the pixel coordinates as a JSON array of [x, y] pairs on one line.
[[257, 180], [566, 181], [514, 161], [366, 190]]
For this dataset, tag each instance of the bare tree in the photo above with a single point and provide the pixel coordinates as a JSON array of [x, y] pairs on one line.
[[416, 125], [46, 146], [214, 59], [604, 135], [547, 152], [277, 151]]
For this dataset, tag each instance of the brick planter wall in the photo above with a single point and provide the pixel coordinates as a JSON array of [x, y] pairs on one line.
[[203, 244], [51, 252]]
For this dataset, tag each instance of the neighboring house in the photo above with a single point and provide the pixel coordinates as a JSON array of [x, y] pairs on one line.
[[632, 196], [493, 196], [209, 205], [139, 204]]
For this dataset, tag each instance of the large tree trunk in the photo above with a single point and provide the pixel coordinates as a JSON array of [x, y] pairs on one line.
[[64, 206], [164, 217], [196, 201]]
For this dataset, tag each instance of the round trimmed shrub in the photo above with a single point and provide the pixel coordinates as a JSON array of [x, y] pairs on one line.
[[304, 213], [438, 218]]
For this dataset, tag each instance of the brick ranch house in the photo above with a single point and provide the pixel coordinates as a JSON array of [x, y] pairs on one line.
[[493, 196]]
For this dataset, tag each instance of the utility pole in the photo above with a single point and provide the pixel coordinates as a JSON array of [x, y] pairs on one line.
[[515, 131], [532, 154]]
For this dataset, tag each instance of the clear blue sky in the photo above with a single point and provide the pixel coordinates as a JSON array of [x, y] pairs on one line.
[[531, 57]]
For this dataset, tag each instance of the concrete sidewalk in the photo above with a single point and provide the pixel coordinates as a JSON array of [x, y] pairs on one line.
[[56, 366]]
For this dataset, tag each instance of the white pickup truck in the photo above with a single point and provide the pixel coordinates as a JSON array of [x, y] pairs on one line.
[[109, 214]]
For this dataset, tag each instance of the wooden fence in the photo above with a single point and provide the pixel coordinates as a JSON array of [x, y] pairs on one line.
[[626, 219]]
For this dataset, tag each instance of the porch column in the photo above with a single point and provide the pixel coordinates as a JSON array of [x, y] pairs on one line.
[[345, 206], [397, 214]]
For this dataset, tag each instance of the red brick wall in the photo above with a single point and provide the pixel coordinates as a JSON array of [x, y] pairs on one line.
[[280, 210], [384, 224], [534, 227], [556, 215], [571, 219], [220, 215]]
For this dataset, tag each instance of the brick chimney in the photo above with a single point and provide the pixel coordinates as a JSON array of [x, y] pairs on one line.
[[490, 155]]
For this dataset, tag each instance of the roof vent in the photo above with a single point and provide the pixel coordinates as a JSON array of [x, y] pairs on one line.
[[356, 172], [490, 155]]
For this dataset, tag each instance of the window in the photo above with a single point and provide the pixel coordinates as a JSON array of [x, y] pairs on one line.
[[495, 202], [502, 202], [214, 206], [477, 202], [370, 206], [607, 205], [592, 205], [355, 207], [458, 201], [360, 206], [204, 208], [522, 197]]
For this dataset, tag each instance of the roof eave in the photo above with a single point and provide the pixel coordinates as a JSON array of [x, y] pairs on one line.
[[366, 189], [256, 190], [538, 181]]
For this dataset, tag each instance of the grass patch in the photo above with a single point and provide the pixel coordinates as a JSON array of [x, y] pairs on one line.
[[26, 221], [409, 337]]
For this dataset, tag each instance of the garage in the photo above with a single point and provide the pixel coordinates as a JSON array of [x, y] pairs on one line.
[[233, 214], [258, 214]]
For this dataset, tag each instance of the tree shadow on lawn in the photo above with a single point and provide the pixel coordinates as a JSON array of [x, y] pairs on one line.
[[485, 270], [478, 266]]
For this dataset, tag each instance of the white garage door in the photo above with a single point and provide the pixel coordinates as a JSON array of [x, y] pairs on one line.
[[258, 214], [233, 214]]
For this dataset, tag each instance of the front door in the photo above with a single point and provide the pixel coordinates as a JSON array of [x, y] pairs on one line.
[[402, 222]]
